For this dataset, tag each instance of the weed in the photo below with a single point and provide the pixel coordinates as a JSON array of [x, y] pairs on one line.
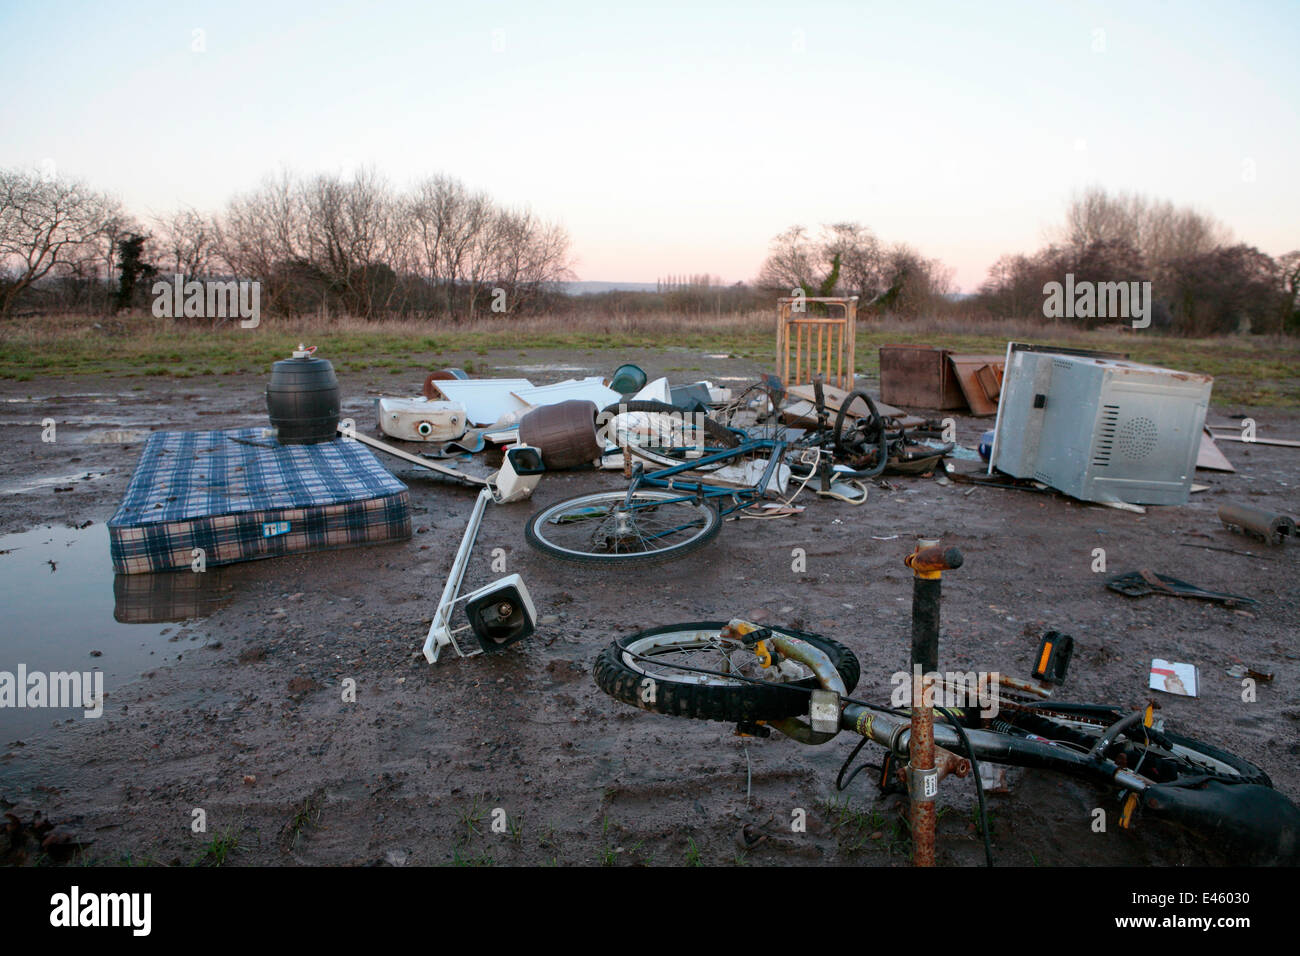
[[219, 849], [306, 814], [472, 816], [547, 840], [482, 859], [692, 853]]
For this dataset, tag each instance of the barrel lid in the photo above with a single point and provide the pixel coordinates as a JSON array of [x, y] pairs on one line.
[[303, 361]]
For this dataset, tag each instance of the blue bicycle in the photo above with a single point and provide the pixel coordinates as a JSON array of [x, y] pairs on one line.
[[662, 514]]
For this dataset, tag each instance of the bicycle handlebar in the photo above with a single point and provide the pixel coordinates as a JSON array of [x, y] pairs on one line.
[[935, 558]]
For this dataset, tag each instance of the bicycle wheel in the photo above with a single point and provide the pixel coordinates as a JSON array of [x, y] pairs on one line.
[[624, 667], [601, 529], [869, 432], [1225, 800], [1160, 756]]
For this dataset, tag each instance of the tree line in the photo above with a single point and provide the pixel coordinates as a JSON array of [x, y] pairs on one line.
[[328, 244], [1202, 281], [320, 244]]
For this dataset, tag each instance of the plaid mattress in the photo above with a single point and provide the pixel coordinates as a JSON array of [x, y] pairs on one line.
[[240, 495]]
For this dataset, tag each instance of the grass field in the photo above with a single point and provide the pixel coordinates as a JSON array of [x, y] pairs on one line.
[[1249, 370]]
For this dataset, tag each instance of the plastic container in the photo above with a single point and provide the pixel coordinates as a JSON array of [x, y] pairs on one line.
[[628, 379], [303, 399]]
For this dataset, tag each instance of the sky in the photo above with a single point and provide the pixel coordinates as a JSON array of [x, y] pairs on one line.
[[673, 138]]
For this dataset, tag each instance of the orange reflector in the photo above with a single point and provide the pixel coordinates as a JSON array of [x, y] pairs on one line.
[[1042, 661], [1126, 817]]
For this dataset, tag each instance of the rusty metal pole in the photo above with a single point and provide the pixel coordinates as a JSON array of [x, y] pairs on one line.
[[928, 562]]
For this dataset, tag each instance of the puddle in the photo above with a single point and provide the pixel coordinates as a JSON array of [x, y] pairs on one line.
[[542, 368], [62, 603], [80, 421], [57, 482], [118, 436], [93, 398]]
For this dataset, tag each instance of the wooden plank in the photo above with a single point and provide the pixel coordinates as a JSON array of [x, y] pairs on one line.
[[388, 449], [1208, 456], [1236, 436], [990, 379], [967, 368]]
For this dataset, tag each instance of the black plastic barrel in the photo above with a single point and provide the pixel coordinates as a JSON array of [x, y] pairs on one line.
[[303, 400]]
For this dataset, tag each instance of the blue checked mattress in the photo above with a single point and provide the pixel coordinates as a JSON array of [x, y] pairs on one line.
[[240, 495]]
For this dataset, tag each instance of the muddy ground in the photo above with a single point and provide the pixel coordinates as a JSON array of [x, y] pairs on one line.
[[246, 720]]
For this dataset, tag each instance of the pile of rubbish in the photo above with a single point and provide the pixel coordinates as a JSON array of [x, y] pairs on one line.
[[1094, 426], [1091, 425]]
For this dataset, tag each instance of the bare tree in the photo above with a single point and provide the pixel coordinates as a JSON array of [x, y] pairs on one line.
[[862, 259], [465, 246], [914, 282], [530, 256], [347, 224], [1288, 267], [49, 227], [792, 263], [1160, 231], [263, 235], [188, 243]]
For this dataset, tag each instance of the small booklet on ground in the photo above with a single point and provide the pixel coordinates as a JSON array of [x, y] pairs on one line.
[[1175, 678]]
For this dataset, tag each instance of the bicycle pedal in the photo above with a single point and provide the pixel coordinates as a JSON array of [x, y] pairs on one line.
[[1053, 657]]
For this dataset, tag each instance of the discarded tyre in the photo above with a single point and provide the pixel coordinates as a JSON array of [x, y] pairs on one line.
[[630, 670]]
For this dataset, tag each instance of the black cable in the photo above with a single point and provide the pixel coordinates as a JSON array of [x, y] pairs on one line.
[[979, 785], [842, 784]]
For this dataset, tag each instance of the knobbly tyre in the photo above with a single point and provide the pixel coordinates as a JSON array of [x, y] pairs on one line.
[[798, 683]]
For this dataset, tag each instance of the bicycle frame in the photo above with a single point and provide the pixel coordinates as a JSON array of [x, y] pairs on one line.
[[894, 731], [1224, 799], [700, 490], [1254, 820]]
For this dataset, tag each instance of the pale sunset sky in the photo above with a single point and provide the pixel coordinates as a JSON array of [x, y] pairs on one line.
[[681, 137]]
